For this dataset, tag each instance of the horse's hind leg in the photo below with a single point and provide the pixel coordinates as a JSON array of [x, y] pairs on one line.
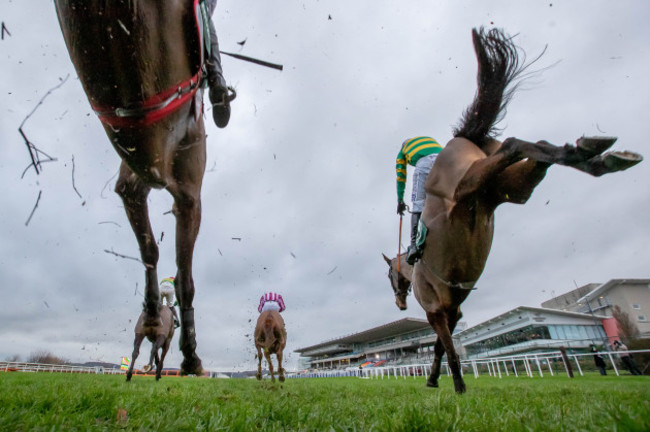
[[280, 368], [134, 196], [160, 362], [438, 352], [267, 355], [139, 337], [259, 363], [187, 208]]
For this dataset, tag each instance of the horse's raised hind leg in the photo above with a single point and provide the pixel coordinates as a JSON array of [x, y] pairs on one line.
[[584, 156], [440, 324], [134, 196], [139, 337]]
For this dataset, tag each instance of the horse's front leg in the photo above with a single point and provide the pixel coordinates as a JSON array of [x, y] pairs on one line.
[[517, 182], [440, 323], [439, 350], [134, 196], [139, 337]]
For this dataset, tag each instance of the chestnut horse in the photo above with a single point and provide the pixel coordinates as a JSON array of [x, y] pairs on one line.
[[160, 335], [471, 177], [140, 64], [270, 338]]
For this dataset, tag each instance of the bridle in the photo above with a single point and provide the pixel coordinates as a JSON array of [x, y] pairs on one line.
[[398, 290]]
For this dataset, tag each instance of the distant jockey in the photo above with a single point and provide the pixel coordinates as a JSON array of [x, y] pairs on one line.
[[419, 152], [271, 301], [167, 292]]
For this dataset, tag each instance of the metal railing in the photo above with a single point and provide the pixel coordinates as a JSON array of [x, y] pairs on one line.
[[40, 367]]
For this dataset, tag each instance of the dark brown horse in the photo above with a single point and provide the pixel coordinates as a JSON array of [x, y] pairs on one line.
[[270, 338], [160, 335], [471, 177], [139, 62]]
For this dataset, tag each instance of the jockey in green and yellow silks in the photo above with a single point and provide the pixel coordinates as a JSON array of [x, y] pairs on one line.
[[419, 152]]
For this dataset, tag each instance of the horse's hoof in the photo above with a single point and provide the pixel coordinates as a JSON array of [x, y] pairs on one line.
[[595, 145], [621, 160], [281, 378], [146, 368], [259, 377], [192, 366], [432, 384], [128, 377]]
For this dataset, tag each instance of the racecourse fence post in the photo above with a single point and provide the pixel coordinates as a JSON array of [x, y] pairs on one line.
[[474, 369], [514, 368], [578, 364], [550, 369], [539, 367], [505, 367], [529, 370], [498, 368], [613, 363]]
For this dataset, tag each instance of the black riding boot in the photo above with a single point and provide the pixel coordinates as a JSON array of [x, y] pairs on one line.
[[412, 254], [218, 94]]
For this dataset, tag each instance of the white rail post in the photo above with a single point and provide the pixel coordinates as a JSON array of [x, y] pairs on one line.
[[613, 363], [578, 364]]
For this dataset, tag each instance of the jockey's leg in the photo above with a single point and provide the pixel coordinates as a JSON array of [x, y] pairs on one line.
[[217, 83]]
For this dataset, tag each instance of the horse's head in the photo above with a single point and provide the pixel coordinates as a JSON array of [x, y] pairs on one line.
[[400, 279]]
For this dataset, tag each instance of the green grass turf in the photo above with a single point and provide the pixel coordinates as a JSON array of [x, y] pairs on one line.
[[68, 402]]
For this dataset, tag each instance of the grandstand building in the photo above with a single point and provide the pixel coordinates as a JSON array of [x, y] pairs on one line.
[[402, 341], [573, 320], [631, 296], [529, 330]]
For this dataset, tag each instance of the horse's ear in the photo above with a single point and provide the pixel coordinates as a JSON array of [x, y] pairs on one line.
[[388, 260]]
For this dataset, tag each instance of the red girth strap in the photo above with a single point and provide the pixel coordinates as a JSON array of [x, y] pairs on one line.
[[158, 106]]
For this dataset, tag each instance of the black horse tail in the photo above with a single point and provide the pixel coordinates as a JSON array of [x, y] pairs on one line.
[[499, 67]]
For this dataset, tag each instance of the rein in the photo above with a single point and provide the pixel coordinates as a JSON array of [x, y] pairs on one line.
[[162, 104]]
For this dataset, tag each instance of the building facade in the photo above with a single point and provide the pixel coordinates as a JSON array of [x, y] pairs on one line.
[[528, 329], [409, 339], [632, 296]]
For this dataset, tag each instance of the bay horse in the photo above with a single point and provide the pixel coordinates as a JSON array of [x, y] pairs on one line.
[[160, 335], [470, 178], [140, 64], [270, 338]]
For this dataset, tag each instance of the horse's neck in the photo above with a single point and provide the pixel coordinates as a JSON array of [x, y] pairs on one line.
[[405, 269]]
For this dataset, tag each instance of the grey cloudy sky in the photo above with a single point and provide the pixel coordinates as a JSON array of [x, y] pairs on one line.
[[304, 174]]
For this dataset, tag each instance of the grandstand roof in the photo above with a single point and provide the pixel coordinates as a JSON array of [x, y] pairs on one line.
[[402, 326]]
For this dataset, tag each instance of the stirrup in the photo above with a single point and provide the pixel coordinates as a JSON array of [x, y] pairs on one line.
[[412, 255]]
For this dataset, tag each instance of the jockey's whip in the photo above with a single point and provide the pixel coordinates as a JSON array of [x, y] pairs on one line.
[[254, 60], [399, 244]]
